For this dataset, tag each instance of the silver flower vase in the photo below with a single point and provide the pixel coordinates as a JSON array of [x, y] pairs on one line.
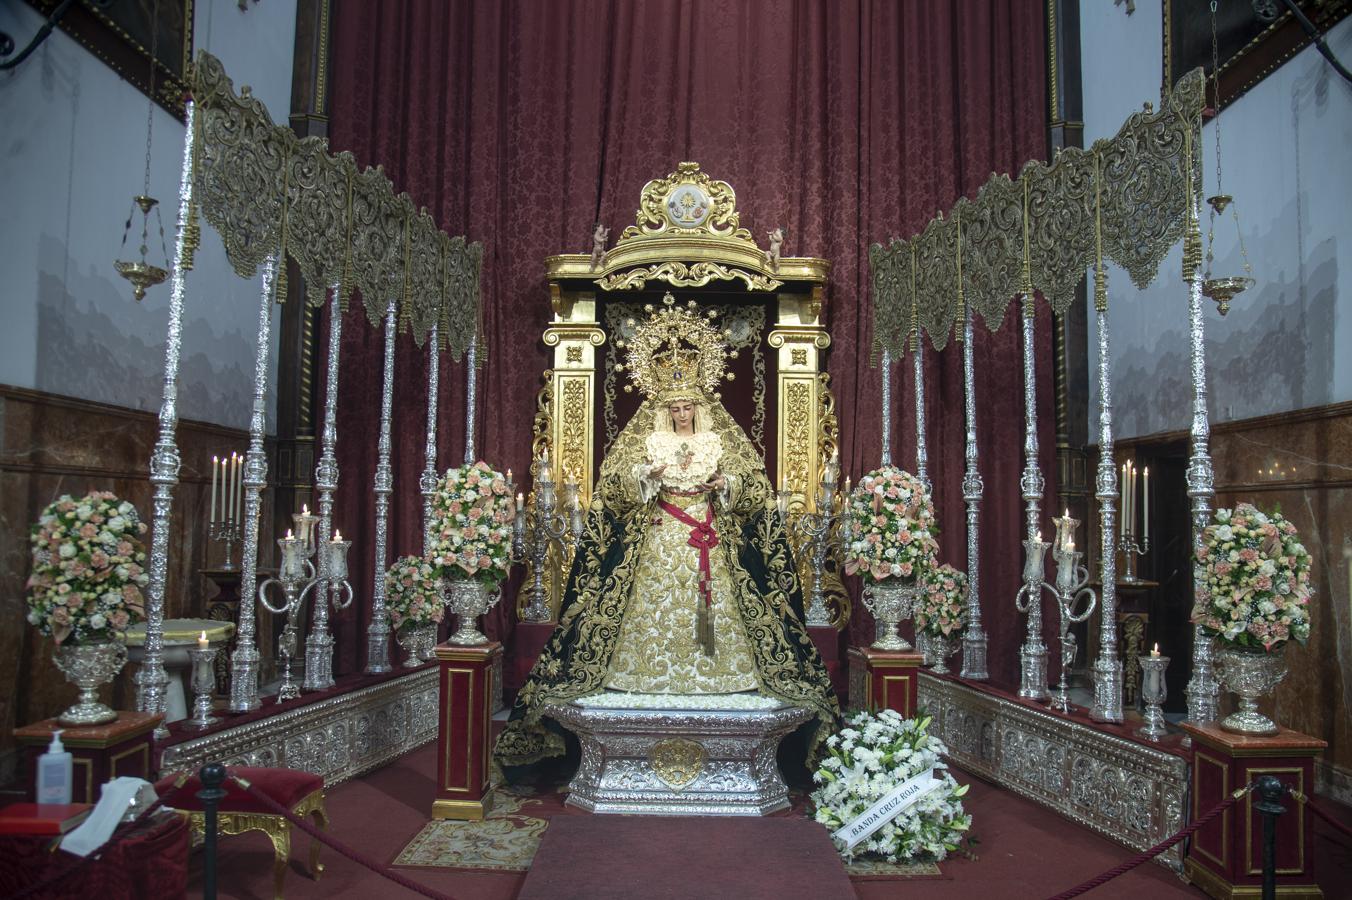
[[87, 666], [1250, 674], [890, 601], [427, 642], [938, 648], [468, 599], [410, 639]]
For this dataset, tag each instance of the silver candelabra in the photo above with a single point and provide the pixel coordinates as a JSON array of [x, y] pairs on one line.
[[1033, 653], [814, 530], [1071, 590], [227, 532], [542, 525], [1130, 549], [297, 579]]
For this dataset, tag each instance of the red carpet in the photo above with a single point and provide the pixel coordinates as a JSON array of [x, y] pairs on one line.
[[1024, 851], [602, 857]]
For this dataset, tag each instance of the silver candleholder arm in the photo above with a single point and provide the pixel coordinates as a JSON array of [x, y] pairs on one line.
[[541, 525], [814, 530], [1130, 549], [228, 533], [1076, 602], [1033, 653]]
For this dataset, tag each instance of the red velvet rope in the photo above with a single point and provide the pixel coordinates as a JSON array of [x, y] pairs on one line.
[[1309, 801], [1151, 853], [355, 855]]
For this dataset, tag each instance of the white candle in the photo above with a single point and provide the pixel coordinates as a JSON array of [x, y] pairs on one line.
[[1123, 499], [520, 502], [202, 642], [234, 477], [213, 490], [1145, 519], [1070, 546], [1156, 651]]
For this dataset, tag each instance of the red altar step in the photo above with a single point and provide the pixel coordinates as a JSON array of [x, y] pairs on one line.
[[600, 857]]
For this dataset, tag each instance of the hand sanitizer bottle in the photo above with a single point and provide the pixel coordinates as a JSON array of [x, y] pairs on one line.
[[54, 772]]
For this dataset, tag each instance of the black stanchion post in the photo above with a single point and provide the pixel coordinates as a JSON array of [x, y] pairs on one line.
[[1270, 791], [212, 792]]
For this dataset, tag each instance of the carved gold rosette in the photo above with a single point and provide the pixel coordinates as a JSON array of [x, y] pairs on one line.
[[687, 237]]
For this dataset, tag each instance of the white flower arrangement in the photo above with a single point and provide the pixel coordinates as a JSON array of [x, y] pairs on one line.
[[866, 760], [88, 569], [889, 527], [412, 593], [472, 514], [1255, 587], [941, 605]]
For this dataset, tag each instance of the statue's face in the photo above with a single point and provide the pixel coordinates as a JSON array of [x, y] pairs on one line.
[[682, 415]]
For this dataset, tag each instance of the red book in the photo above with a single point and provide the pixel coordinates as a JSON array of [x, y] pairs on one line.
[[42, 819]]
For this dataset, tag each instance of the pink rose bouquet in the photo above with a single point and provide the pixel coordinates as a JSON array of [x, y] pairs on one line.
[[888, 527], [88, 569], [1254, 590], [471, 527], [941, 605], [412, 593]]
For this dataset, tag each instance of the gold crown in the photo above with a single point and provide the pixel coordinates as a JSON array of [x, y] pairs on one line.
[[676, 354]]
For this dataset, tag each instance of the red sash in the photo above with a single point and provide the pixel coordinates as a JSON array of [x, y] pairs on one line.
[[702, 537]]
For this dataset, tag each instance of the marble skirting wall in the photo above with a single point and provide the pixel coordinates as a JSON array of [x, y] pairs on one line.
[[1301, 463], [52, 445]]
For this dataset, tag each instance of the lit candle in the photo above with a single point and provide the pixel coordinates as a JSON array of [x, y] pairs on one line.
[[213, 489], [1145, 519], [847, 484], [520, 502], [304, 509], [239, 490], [1123, 500], [234, 480], [202, 642], [1039, 537], [1156, 651], [337, 536], [1070, 546]]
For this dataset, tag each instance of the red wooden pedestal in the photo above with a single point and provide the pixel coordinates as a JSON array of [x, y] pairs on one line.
[[1225, 858], [99, 753], [884, 679], [464, 720]]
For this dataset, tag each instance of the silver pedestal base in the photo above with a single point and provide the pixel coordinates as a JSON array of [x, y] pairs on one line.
[[681, 762]]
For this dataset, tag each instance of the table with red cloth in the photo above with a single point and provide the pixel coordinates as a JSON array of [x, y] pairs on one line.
[[149, 859]]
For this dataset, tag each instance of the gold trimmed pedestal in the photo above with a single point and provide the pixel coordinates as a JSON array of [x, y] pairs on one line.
[[1225, 856], [885, 679], [464, 724], [99, 752]]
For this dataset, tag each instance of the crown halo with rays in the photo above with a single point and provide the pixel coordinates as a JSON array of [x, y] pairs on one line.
[[676, 353]]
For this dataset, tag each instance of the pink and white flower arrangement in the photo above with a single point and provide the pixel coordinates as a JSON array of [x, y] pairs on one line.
[[88, 569], [941, 605], [889, 527], [472, 513], [1255, 586], [412, 593]]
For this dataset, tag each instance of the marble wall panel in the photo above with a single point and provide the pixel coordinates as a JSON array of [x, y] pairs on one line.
[[52, 445]]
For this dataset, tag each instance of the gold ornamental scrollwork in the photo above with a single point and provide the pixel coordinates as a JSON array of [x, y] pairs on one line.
[[677, 761], [720, 220], [678, 274], [575, 416]]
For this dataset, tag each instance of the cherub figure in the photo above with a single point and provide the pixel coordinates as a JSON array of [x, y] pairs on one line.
[[599, 237], [776, 242]]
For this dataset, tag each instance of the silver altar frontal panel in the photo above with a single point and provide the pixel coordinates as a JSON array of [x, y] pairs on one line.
[[1127, 791], [660, 760]]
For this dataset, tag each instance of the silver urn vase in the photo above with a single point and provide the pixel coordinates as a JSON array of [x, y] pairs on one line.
[[427, 642], [410, 640], [1250, 674], [87, 666], [890, 601], [468, 599], [938, 648]]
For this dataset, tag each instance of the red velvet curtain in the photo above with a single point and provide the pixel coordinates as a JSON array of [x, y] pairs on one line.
[[522, 124]]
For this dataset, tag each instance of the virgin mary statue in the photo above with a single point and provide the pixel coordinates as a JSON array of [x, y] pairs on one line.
[[683, 582]]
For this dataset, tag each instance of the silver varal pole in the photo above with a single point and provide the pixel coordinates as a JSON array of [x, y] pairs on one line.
[[1203, 691], [471, 389], [244, 661], [974, 639], [886, 365], [1107, 668], [427, 483], [378, 632], [319, 644], [1033, 654], [152, 680], [921, 448]]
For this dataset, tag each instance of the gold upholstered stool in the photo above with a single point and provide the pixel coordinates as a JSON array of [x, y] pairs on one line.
[[239, 811]]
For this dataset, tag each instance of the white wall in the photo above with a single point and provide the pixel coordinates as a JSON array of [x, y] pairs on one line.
[[73, 151], [1285, 159]]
